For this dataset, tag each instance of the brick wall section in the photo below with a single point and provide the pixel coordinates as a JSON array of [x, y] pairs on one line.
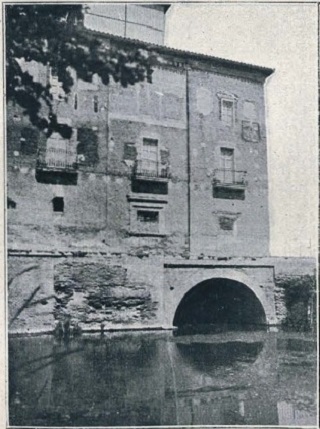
[[92, 292], [120, 292]]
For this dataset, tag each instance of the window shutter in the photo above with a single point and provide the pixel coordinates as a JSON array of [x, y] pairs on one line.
[[88, 145], [29, 141], [164, 156], [129, 152]]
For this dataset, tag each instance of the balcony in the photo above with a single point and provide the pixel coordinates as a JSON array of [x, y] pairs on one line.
[[229, 184], [57, 159], [229, 179], [57, 166], [151, 171]]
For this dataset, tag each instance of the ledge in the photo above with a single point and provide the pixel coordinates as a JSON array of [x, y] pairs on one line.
[[145, 178], [218, 263], [235, 186], [147, 234], [156, 198]]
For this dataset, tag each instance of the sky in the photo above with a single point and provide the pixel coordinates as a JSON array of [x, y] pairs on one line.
[[283, 37]]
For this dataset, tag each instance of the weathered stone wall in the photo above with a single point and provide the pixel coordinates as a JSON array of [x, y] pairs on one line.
[[118, 292], [99, 204], [122, 285], [208, 134], [130, 292], [181, 277]]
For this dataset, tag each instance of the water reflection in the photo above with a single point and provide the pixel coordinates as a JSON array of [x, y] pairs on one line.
[[204, 356], [157, 379]]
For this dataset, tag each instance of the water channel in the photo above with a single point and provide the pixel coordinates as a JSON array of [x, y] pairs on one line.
[[149, 378]]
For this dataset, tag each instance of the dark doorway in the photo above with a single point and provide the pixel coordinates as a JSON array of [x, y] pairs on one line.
[[219, 305]]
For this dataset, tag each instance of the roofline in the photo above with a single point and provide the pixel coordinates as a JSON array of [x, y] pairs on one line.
[[215, 61], [165, 6]]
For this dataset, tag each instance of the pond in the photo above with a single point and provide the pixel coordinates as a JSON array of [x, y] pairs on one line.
[[149, 378]]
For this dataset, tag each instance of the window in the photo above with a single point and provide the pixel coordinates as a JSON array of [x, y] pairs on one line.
[[29, 141], [226, 223], [250, 128], [75, 102], [148, 222], [227, 164], [149, 156], [95, 104], [88, 145], [54, 72], [58, 204], [129, 152], [56, 87], [227, 107], [148, 216], [227, 111], [11, 204]]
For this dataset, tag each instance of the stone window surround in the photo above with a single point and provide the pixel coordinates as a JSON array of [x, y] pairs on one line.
[[228, 97], [146, 204], [145, 135], [234, 216], [149, 135]]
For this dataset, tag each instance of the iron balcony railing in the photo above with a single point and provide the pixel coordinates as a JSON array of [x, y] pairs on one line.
[[229, 178], [57, 159], [146, 169]]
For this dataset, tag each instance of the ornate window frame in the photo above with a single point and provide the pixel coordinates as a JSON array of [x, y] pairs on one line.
[[224, 97]]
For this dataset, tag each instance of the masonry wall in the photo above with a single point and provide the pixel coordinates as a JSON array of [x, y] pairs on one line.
[[99, 201], [208, 134], [122, 282], [131, 292], [87, 291]]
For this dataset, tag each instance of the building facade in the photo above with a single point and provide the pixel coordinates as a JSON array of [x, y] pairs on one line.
[[160, 184]]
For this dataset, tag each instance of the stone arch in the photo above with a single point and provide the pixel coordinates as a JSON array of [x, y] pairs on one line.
[[182, 281]]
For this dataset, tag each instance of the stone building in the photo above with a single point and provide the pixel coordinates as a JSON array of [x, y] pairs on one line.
[[155, 212]]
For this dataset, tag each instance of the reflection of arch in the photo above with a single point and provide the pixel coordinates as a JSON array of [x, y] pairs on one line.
[[212, 385], [180, 281], [220, 302], [206, 357]]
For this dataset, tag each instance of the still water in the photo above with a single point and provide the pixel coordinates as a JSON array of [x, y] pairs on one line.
[[159, 379]]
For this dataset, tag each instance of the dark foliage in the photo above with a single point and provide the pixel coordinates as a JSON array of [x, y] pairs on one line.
[[53, 35], [299, 299], [88, 145]]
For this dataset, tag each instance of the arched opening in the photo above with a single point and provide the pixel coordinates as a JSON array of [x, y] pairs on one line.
[[218, 305]]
